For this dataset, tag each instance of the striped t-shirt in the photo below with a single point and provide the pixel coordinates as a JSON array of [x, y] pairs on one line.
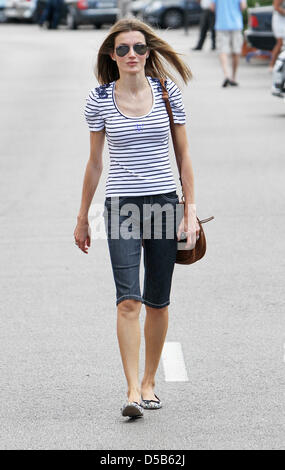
[[138, 146]]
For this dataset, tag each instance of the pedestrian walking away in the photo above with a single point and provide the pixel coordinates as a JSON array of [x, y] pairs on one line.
[[207, 23], [229, 26], [128, 107], [278, 28]]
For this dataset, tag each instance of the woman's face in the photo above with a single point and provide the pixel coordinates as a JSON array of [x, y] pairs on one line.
[[132, 62]]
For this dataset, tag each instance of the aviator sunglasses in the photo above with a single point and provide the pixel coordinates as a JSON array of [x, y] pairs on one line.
[[122, 50]]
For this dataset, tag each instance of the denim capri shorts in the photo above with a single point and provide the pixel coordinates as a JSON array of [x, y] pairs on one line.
[[128, 220]]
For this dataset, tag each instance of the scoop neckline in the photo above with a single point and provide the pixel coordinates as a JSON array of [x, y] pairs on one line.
[[134, 117]]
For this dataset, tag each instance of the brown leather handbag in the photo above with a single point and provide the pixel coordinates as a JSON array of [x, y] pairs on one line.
[[185, 256]]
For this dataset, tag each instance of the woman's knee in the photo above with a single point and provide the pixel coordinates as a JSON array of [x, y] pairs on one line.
[[129, 308]]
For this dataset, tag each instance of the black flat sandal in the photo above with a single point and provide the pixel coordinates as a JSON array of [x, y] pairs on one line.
[[132, 409], [151, 404]]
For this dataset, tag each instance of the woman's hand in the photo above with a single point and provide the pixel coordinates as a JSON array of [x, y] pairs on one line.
[[190, 226], [82, 235]]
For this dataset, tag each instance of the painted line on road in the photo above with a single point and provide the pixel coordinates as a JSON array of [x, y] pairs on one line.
[[173, 362]]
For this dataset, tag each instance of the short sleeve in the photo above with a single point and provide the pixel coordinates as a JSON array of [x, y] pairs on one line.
[[92, 113], [176, 102]]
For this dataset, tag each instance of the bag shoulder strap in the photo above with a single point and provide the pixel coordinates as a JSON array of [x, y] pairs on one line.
[[165, 96]]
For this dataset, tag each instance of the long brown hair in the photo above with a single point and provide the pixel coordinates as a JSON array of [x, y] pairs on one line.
[[161, 54]]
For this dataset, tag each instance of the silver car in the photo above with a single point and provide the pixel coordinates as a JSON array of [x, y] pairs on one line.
[[84, 12], [91, 12], [172, 13], [20, 9]]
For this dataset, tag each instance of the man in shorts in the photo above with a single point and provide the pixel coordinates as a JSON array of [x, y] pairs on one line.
[[229, 26]]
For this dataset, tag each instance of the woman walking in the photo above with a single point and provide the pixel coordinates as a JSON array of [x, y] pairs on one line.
[[278, 28], [129, 108]]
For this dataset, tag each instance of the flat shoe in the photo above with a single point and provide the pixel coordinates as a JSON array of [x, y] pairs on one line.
[[233, 83], [151, 404], [226, 83], [132, 409]]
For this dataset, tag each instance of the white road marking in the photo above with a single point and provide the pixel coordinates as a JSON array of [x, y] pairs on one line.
[[173, 363]]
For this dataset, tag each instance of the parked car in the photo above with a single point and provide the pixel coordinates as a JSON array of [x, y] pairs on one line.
[[20, 9], [172, 13], [84, 12], [2, 11], [259, 33], [95, 12], [138, 6]]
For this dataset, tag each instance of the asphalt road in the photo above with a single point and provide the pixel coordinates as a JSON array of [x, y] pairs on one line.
[[62, 382]]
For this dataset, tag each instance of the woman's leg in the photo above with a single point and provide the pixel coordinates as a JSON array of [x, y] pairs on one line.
[[276, 51], [155, 329], [125, 253], [159, 261], [128, 331]]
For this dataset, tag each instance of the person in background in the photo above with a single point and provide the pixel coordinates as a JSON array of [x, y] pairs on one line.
[[278, 28], [207, 23], [278, 77], [52, 13], [229, 26]]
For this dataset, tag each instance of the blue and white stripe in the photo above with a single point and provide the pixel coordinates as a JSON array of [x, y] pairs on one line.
[[138, 146]]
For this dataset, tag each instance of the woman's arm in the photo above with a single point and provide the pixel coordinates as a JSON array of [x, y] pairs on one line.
[[189, 224], [184, 161], [277, 6], [92, 176]]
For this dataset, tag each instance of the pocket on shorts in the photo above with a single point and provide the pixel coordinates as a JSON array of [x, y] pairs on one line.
[[122, 200], [170, 197], [237, 41]]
